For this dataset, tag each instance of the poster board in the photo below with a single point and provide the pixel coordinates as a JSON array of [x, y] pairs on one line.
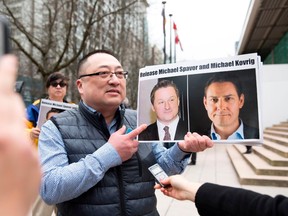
[[48, 105], [190, 78]]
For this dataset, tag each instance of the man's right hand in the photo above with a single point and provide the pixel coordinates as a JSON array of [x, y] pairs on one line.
[[125, 144]]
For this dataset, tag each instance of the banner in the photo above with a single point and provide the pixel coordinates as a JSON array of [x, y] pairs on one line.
[[219, 98], [49, 108]]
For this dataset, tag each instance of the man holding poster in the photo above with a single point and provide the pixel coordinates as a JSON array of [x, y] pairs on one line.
[[91, 160]]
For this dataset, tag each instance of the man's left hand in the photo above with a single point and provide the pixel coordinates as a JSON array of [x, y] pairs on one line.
[[193, 142]]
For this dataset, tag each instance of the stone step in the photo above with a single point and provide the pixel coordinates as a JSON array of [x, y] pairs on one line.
[[246, 174], [274, 138], [284, 123], [276, 133], [270, 157], [260, 166], [275, 147], [278, 128]]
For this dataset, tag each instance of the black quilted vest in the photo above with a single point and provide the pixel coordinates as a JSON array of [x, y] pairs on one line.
[[125, 190]]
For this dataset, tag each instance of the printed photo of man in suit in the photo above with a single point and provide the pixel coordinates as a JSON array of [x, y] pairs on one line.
[[165, 101]]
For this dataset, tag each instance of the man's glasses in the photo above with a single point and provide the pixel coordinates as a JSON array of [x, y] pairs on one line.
[[61, 84], [106, 74]]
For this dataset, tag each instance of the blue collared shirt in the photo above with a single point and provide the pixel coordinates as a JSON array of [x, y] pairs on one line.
[[62, 181], [238, 134]]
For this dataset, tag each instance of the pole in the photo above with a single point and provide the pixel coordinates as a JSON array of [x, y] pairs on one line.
[[174, 51], [164, 31], [170, 58]]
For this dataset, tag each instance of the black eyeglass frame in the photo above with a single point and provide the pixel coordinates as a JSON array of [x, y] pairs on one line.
[[110, 73]]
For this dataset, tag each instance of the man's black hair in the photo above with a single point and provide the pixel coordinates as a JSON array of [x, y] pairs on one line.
[[163, 84], [53, 110], [225, 77], [86, 56]]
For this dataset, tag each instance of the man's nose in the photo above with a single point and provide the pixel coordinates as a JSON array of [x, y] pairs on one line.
[[167, 105], [220, 104], [114, 79]]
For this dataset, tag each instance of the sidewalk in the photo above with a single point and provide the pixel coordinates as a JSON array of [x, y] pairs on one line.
[[213, 165]]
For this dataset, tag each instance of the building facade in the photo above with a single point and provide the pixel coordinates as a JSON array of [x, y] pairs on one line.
[[266, 32]]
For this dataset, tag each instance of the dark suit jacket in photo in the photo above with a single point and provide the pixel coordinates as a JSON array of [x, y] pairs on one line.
[[151, 132], [250, 132]]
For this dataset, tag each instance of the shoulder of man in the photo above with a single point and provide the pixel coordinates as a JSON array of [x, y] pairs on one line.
[[250, 132], [130, 118], [67, 116]]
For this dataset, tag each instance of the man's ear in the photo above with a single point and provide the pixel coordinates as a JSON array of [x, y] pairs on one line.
[[205, 102], [152, 107], [79, 85], [241, 101]]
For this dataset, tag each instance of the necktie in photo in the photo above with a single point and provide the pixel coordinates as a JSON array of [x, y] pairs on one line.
[[167, 135]]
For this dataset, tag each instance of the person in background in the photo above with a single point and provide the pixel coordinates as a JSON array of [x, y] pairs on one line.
[[92, 163], [20, 171], [217, 200], [223, 99], [56, 86]]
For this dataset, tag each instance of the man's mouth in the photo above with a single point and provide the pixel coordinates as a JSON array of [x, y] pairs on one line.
[[222, 114], [113, 91]]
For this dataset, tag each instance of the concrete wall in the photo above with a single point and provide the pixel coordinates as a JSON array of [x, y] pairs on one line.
[[274, 92]]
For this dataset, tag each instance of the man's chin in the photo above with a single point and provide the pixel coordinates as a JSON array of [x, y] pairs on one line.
[[166, 120], [114, 102], [222, 124]]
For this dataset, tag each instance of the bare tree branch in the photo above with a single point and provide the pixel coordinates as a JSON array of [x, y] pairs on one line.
[[22, 29], [40, 67], [69, 30]]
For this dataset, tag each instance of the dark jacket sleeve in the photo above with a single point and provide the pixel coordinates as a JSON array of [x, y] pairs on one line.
[[212, 199]]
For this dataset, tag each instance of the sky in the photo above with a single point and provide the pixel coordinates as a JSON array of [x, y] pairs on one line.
[[207, 28]]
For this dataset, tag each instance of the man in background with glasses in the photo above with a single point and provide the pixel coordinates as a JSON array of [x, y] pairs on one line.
[[92, 163]]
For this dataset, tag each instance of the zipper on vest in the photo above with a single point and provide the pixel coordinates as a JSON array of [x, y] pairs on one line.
[[121, 193], [139, 164]]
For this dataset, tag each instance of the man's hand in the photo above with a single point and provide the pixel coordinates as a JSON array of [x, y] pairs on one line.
[[193, 142], [180, 188], [125, 144], [35, 132]]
